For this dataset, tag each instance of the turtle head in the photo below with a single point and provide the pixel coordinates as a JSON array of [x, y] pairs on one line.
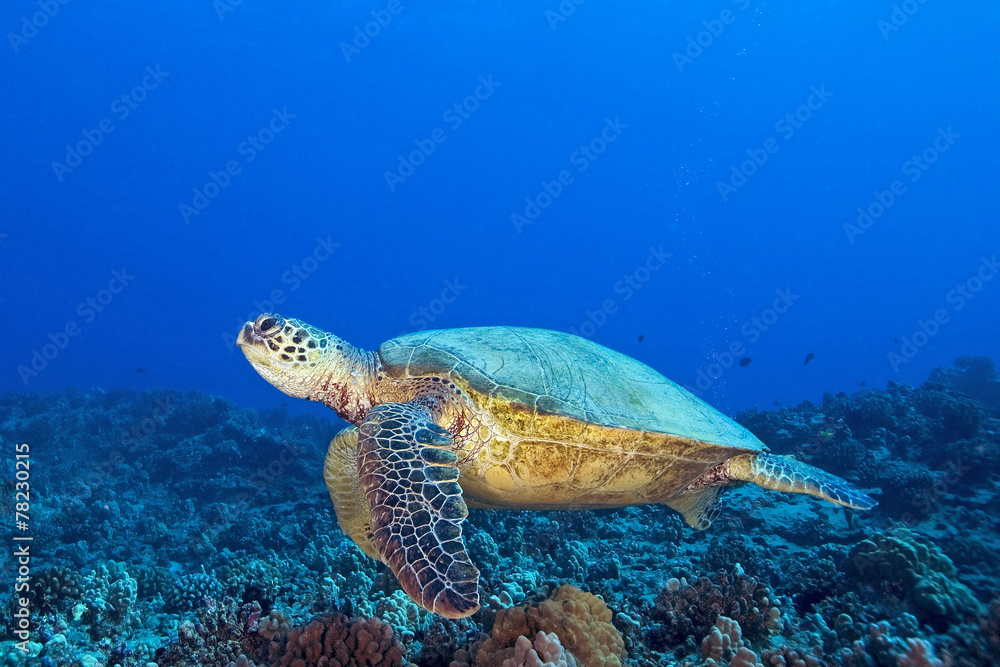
[[306, 362]]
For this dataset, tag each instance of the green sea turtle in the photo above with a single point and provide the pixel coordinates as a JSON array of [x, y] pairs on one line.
[[505, 417]]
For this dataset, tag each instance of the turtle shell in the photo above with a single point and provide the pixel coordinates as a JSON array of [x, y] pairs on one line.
[[552, 372]]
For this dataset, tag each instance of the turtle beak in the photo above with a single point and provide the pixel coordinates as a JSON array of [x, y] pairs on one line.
[[253, 333], [248, 336], [255, 349]]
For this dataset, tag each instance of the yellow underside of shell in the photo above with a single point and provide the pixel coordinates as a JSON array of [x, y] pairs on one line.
[[533, 460]]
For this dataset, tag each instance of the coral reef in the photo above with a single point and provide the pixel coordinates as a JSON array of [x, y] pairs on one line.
[[581, 621], [252, 578], [220, 633], [191, 591], [902, 565], [179, 529], [336, 641], [56, 587], [112, 594], [883, 646], [544, 651], [242, 661], [989, 632], [683, 609], [724, 646], [975, 377]]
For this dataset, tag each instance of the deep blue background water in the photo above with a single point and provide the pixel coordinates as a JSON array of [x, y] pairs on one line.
[[449, 224]]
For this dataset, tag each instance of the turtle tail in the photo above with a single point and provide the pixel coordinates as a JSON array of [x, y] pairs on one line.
[[784, 473]]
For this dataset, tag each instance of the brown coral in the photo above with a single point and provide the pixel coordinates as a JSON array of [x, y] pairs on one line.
[[223, 631], [989, 626], [581, 621], [56, 585], [335, 641], [787, 656], [684, 610], [724, 641]]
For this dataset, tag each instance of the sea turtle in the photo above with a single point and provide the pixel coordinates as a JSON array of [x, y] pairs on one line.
[[505, 417]]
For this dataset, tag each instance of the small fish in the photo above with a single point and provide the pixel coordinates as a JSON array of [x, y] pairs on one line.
[[862, 383], [641, 336], [140, 370], [809, 357], [744, 362], [777, 402], [896, 341]]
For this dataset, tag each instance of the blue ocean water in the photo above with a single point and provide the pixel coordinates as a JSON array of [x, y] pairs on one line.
[[184, 89], [766, 202]]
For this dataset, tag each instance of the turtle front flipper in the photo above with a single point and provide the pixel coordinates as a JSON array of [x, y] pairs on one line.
[[410, 477], [784, 473]]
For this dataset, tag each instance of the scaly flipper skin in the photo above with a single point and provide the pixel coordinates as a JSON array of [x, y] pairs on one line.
[[784, 473], [340, 470], [409, 474]]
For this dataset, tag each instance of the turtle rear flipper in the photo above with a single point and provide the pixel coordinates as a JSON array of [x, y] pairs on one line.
[[410, 479], [699, 508], [784, 473]]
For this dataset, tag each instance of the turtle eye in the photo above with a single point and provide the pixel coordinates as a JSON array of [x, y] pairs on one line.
[[265, 323]]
